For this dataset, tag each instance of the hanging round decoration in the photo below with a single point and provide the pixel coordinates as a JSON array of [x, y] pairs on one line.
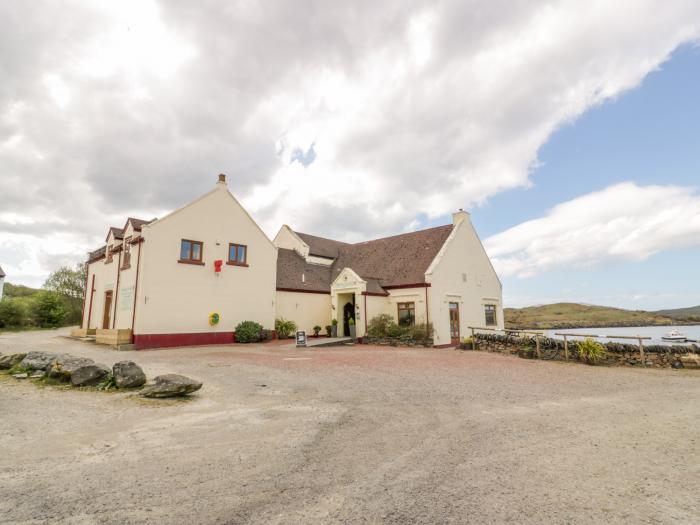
[[214, 318]]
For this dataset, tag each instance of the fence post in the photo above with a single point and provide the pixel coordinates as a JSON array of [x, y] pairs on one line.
[[566, 349], [641, 352], [537, 344]]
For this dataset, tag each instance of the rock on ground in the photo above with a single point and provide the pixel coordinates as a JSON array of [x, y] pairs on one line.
[[171, 385], [7, 361], [63, 366], [89, 375], [128, 374], [37, 360]]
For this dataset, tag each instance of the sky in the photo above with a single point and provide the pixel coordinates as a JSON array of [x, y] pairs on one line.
[[569, 130]]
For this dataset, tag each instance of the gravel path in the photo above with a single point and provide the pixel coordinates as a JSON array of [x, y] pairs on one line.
[[351, 435]]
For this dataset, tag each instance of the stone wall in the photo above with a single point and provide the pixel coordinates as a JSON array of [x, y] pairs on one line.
[[396, 341], [617, 354]]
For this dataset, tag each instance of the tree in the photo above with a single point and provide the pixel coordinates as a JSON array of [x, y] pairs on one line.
[[67, 281], [48, 309], [12, 312]]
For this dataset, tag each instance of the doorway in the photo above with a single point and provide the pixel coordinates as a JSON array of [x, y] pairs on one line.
[[348, 313], [454, 323], [108, 309]]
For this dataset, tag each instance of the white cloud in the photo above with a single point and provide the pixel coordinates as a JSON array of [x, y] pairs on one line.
[[414, 109], [621, 222]]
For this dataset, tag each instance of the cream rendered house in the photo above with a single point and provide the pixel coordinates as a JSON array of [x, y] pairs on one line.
[[440, 275], [190, 277], [157, 282], [2, 281]]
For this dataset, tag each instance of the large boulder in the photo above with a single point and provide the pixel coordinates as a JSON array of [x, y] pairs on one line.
[[89, 375], [62, 367], [7, 361], [37, 360], [128, 374], [171, 385]]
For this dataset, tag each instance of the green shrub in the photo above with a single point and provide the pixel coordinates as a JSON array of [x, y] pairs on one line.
[[590, 351], [248, 332], [334, 322], [419, 332], [378, 326], [317, 330], [13, 312], [108, 383], [351, 322], [395, 331], [48, 309], [328, 330], [284, 328]]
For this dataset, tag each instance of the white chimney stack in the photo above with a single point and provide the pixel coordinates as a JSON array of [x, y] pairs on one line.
[[460, 216]]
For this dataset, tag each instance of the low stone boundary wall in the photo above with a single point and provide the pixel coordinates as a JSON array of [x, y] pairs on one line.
[[397, 341], [617, 354]]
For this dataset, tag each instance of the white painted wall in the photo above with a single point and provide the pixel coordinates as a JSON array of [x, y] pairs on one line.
[[286, 238], [105, 279], [462, 273], [305, 309], [178, 298], [2, 285]]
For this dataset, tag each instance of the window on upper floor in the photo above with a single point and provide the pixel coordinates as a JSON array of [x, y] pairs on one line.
[[490, 312], [126, 258], [237, 254], [191, 251], [407, 314], [110, 256]]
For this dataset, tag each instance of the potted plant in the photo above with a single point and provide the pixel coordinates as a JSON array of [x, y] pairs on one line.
[[334, 328], [351, 327], [317, 330], [328, 330], [468, 344]]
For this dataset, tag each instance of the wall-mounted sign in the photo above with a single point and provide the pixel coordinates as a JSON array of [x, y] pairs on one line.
[[126, 298], [214, 318], [301, 338]]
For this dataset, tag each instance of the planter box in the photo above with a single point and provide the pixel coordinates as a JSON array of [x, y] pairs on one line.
[[113, 337], [82, 332]]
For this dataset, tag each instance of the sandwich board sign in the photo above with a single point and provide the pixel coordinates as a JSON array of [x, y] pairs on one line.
[[301, 338]]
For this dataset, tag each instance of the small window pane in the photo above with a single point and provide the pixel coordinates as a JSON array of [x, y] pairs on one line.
[[232, 252], [185, 250], [241, 254], [490, 311], [196, 251]]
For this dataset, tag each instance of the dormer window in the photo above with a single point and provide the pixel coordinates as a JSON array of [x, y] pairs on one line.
[[109, 255], [237, 254], [191, 252]]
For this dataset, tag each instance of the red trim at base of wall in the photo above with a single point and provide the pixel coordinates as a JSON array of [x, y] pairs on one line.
[[145, 341]]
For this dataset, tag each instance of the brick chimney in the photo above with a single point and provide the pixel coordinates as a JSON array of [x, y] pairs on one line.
[[222, 178]]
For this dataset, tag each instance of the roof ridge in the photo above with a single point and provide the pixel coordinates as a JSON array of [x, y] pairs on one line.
[[450, 225], [404, 234]]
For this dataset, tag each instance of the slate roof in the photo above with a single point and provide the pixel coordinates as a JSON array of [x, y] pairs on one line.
[[391, 261], [322, 247], [290, 268], [118, 233], [96, 254], [137, 223]]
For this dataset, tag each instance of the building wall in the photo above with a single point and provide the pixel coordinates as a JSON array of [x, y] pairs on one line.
[[176, 298], [124, 306], [287, 239], [105, 279], [2, 285], [462, 273], [305, 309]]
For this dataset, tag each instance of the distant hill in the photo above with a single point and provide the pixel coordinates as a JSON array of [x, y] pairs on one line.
[[683, 314], [573, 315], [18, 290]]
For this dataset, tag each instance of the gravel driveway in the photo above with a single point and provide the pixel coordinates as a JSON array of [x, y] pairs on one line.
[[351, 435]]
